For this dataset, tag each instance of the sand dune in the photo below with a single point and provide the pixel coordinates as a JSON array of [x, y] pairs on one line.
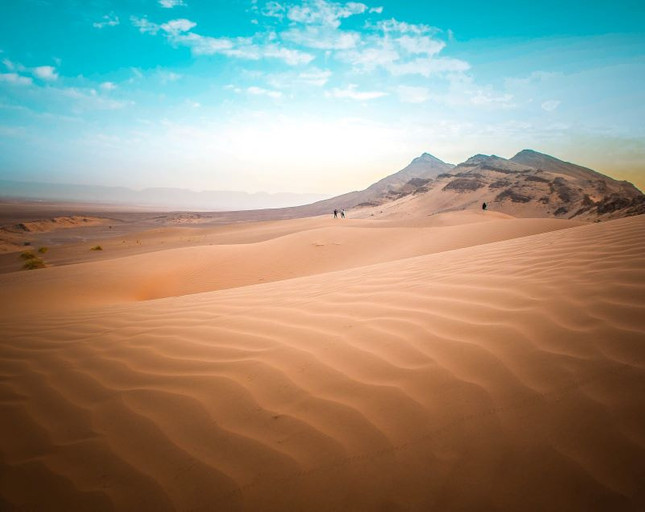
[[254, 254], [463, 364]]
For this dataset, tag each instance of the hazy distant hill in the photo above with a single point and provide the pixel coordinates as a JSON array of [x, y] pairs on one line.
[[156, 197], [530, 184]]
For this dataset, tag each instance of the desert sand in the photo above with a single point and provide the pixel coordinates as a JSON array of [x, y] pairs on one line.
[[463, 361]]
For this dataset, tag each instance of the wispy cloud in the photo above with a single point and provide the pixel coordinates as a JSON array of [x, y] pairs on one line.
[[46, 73], [323, 38], [109, 20], [90, 99], [8, 64], [484, 98], [550, 105], [15, 79], [428, 66], [175, 27], [351, 92], [317, 77], [259, 91], [402, 49], [166, 76], [320, 12], [317, 24], [169, 4], [179, 32], [144, 25], [304, 80]]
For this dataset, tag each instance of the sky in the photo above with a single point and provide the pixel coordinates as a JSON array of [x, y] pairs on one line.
[[312, 96]]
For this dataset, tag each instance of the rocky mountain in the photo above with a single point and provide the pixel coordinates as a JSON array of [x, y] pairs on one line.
[[530, 184], [422, 169]]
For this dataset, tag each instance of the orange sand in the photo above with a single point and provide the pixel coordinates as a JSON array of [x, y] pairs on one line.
[[466, 361]]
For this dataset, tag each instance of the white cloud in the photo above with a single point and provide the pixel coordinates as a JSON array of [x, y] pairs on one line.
[[168, 76], [175, 27], [145, 26], [274, 10], [392, 25], [550, 105], [484, 98], [291, 57], [377, 10], [15, 79], [203, 45], [315, 77], [401, 49], [320, 12], [46, 73], [109, 20], [259, 91], [409, 94], [108, 86], [169, 4], [420, 44], [8, 64], [429, 66], [369, 59], [312, 77], [351, 93], [90, 99], [322, 38], [179, 32], [316, 24]]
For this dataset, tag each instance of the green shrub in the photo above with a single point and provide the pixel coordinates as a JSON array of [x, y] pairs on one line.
[[33, 263], [43, 250], [96, 248], [27, 255]]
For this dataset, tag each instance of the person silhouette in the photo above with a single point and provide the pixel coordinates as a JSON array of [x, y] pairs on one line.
[[335, 214], [484, 206]]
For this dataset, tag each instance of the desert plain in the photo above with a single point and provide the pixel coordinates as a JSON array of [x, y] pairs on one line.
[[391, 360]]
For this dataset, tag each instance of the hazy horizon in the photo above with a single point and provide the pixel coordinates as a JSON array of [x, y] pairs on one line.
[[312, 97]]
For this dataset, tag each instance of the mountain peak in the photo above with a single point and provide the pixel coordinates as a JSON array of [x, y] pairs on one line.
[[549, 163], [481, 159], [428, 158], [535, 156], [527, 152]]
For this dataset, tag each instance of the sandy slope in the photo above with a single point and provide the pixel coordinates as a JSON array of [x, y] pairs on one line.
[[504, 374], [251, 254]]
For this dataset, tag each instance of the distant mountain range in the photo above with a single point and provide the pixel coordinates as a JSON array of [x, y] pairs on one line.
[[153, 197], [530, 184]]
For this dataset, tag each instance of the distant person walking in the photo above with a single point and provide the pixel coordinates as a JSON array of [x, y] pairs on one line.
[[342, 213], [484, 206], [335, 214]]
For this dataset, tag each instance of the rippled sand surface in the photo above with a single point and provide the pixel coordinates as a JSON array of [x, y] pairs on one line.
[[484, 363]]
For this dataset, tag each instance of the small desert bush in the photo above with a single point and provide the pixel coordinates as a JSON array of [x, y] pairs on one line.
[[96, 248], [27, 255], [33, 263], [43, 250]]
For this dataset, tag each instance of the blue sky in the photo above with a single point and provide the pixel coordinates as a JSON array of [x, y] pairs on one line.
[[312, 96]]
